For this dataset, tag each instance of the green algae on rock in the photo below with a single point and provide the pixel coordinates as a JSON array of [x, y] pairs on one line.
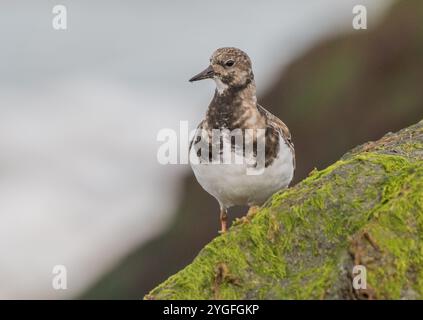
[[366, 209]]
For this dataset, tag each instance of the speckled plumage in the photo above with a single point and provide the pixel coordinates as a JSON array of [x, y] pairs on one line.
[[234, 107]]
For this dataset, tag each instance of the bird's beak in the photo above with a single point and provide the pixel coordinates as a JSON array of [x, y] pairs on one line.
[[205, 74]]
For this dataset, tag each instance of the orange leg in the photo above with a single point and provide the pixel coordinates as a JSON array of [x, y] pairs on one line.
[[223, 220]]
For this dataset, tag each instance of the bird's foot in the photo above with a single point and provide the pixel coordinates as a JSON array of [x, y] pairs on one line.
[[248, 217], [223, 228], [252, 212], [238, 221]]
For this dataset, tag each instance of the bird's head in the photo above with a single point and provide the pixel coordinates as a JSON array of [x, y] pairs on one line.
[[229, 68]]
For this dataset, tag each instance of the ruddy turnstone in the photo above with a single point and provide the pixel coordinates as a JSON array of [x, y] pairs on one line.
[[234, 108]]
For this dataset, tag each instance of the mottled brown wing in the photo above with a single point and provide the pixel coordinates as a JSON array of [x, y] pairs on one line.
[[277, 124], [199, 144], [200, 126]]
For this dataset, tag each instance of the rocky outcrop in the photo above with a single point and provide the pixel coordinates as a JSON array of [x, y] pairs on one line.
[[365, 209]]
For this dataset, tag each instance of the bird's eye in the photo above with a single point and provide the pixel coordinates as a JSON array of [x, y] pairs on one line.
[[229, 63]]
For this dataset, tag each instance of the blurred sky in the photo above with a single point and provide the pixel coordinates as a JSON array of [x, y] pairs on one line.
[[80, 110]]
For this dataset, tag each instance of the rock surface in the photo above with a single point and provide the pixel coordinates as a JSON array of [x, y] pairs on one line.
[[365, 209]]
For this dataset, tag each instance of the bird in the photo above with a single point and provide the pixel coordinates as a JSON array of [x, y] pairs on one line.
[[255, 175]]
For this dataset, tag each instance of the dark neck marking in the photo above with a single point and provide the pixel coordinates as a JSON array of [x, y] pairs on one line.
[[227, 108]]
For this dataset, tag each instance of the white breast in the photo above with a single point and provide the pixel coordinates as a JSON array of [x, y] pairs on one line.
[[231, 185]]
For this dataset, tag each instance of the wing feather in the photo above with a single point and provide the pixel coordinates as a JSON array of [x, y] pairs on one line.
[[279, 126]]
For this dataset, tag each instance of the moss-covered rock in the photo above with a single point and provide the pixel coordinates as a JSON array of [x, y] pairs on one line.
[[366, 209]]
